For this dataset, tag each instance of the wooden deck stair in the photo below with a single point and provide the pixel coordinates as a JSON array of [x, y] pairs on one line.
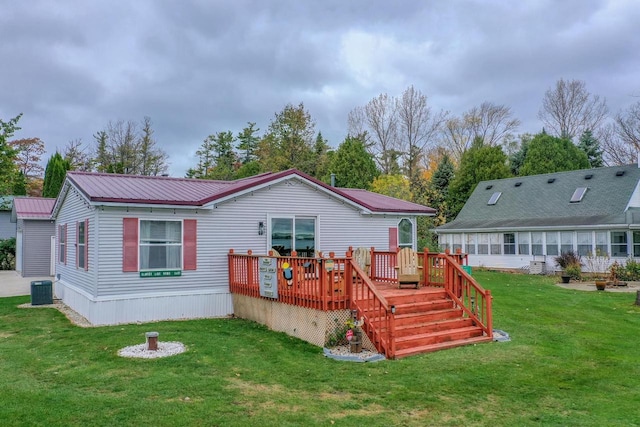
[[426, 320]]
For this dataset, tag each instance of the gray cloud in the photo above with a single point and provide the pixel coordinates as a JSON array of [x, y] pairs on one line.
[[199, 67]]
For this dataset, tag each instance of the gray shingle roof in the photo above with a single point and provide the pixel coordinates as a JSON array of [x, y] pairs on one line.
[[544, 200]]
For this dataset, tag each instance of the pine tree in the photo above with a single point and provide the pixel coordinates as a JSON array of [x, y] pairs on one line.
[[591, 147], [54, 175]]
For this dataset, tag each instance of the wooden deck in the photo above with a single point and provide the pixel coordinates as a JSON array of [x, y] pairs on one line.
[[448, 309]]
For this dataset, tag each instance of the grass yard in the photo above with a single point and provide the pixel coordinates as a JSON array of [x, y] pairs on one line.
[[574, 360]]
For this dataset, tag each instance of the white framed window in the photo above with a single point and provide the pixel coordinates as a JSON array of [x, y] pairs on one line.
[[470, 246], [457, 243], [566, 241], [585, 244], [405, 233], [443, 241], [552, 243], [81, 251], [293, 233], [636, 244], [483, 243], [160, 245], [619, 244], [494, 243], [62, 244], [602, 245], [523, 243], [536, 243], [509, 246]]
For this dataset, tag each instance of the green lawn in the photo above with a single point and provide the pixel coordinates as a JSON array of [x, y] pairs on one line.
[[574, 360]]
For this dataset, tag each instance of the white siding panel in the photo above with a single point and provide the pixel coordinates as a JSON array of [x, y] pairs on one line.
[[144, 308], [36, 247], [73, 210]]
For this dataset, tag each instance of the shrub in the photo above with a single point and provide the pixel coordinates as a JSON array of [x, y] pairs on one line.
[[8, 254], [566, 259], [574, 271]]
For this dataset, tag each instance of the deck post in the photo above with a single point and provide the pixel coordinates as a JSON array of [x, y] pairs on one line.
[[489, 319]]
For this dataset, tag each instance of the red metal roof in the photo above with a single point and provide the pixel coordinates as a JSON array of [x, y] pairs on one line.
[[33, 207], [100, 187]]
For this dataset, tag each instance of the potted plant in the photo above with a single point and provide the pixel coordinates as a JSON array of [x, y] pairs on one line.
[[598, 264], [571, 265]]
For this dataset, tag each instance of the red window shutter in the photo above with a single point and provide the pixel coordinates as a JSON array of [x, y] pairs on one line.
[[86, 245], [190, 244], [77, 243], [66, 244], [130, 244], [393, 239]]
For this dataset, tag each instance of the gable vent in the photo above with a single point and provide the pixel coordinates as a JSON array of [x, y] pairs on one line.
[[517, 184], [578, 194], [489, 187], [619, 173], [550, 180], [494, 198], [589, 176]]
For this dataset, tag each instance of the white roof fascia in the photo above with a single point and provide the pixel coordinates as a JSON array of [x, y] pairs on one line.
[[537, 228]]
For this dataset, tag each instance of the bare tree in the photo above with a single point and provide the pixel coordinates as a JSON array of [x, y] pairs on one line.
[[569, 109], [456, 137], [378, 120], [621, 140], [153, 160], [493, 123], [417, 127], [76, 155]]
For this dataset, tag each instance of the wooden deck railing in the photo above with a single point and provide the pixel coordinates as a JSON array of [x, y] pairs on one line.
[[371, 305], [317, 283], [339, 283]]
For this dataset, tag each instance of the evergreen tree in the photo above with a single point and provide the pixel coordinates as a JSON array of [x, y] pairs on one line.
[[439, 189], [248, 143], [353, 165], [591, 147], [478, 163], [20, 185], [548, 154], [8, 168], [54, 175]]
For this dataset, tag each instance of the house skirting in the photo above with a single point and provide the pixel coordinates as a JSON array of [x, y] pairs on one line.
[[144, 308], [313, 326]]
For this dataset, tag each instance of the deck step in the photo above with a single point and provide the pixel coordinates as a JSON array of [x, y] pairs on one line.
[[413, 329], [414, 296], [420, 340], [411, 351], [424, 306]]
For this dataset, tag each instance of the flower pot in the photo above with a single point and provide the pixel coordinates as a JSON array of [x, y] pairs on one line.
[[601, 285], [565, 279]]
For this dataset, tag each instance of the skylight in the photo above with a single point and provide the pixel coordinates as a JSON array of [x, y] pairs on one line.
[[494, 198], [489, 187], [550, 180], [578, 194]]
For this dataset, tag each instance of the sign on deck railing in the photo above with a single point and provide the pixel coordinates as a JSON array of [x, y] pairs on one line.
[[268, 277]]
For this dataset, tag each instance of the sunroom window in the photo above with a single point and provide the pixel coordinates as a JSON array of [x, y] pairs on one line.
[[619, 244], [160, 245]]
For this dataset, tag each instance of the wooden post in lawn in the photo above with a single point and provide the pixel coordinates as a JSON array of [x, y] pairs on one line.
[[638, 298]]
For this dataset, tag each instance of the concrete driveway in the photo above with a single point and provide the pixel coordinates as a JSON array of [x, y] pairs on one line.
[[11, 284]]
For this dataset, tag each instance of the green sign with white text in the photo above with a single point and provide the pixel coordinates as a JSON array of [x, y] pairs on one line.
[[162, 273]]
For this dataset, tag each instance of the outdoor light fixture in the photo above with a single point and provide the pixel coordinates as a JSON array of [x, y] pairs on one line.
[[260, 228], [393, 309]]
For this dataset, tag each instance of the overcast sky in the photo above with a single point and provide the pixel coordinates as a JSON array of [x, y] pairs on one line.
[[200, 67]]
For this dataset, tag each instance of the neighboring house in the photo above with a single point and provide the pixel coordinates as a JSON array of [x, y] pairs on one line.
[[135, 248], [508, 223], [35, 231], [7, 228]]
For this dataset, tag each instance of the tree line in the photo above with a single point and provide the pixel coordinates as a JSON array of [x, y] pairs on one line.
[[396, 145]]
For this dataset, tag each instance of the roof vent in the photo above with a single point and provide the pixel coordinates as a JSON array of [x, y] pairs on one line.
[[578, 194], [619, 173], [550, 180], [517, 184], [489, 187], [589, 176], [494, 198]]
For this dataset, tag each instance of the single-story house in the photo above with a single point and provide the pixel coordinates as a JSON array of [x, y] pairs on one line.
[[138, 248], [35, 235], [525, 222], [7, 228]]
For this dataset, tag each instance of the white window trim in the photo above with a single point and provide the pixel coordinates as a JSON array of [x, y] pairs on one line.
[[413, 234], [140, 244]]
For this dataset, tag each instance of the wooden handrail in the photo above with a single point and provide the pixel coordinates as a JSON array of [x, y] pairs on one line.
[[373, 307]]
